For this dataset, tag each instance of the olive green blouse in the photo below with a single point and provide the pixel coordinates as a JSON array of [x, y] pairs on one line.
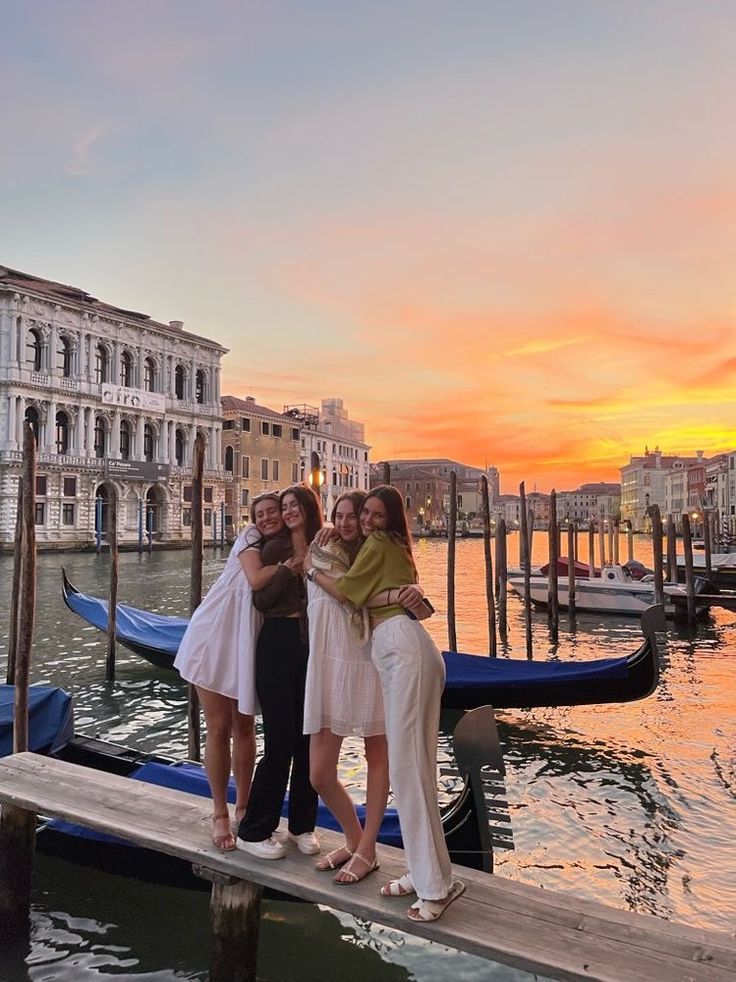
[[381, 564]]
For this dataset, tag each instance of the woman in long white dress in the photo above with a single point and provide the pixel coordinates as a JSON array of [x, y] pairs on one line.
[[343, 698], [217, 655]]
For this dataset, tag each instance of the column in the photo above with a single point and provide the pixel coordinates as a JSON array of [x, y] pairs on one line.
[[114, 377], [50, 442], [79, 433], [90, 431], [138, 438], [140, 376], [18, 331], [218, 447], [163, 444], [115, 436], [11, 434], [190, 448], [54, 343], [19, 421]]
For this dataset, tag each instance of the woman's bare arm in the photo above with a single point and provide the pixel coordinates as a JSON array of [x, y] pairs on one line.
[[257, 574]]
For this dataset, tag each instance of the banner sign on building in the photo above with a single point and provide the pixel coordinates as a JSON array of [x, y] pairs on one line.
[[121, 395], [137, 470]]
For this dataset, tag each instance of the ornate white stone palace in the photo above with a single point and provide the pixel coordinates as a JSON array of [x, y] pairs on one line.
[[112, 397]]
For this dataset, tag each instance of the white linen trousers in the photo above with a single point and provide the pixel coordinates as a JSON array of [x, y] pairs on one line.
[[412, 676]]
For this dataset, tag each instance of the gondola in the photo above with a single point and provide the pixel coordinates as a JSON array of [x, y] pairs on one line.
[[464, 819], [472, 680]]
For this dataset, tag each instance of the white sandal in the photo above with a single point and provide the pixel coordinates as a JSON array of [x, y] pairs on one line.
[[401, 887], [431, 910]]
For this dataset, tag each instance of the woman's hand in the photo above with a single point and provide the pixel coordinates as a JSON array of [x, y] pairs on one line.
[[295, 564], [410, 595], [325, 535]]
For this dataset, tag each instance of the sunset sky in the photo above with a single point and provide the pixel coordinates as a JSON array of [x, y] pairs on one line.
[[503, 232]]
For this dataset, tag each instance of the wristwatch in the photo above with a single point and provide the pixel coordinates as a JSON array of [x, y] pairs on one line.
[[311, 574]]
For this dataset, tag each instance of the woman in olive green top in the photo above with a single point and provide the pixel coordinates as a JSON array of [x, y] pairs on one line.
[[412, 676]]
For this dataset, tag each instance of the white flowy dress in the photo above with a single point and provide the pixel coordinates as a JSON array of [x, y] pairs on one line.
[[218, 649], [343, 688]]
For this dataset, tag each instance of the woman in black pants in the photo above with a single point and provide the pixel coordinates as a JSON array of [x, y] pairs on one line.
[[281, 669]]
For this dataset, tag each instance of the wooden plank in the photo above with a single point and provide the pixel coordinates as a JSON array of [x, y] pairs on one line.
[[537, 930]]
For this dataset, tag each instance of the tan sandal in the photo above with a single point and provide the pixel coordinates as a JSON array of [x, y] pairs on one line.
[[431, 910], [347, 870], [224, 841], [401, 887], [333, 860]]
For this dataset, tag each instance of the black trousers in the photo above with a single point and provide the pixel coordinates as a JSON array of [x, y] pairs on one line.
[[281, 672]]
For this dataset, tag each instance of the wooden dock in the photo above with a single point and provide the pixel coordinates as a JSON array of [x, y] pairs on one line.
[[554, 934]]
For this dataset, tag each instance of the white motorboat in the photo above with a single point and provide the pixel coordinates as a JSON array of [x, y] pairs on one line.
[[615, 591]]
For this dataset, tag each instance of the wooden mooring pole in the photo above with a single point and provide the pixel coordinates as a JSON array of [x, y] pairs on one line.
[[591, 548], [525, 557], [15, 588], [657, 554], [501, 577], [195, 590], [629, 539], [486, 507], [451, 532], [708, 542], [553, 599], [602, 541], [571, 557], [112, 609], [17, 826], [687, 545], [671, 549], [616, 531]]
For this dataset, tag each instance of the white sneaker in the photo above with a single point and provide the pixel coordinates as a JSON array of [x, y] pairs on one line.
[[280, 835], [267, 849], [307, 842]]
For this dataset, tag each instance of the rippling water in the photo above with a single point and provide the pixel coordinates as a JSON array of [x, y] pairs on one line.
[[632, 805]]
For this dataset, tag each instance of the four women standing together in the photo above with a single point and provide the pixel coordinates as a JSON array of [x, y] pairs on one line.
[[351, 640]]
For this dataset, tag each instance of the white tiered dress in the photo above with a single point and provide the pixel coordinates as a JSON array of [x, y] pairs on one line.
[[343, 688], [218, 649]]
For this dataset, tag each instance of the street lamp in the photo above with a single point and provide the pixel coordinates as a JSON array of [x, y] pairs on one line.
[[316, 477]]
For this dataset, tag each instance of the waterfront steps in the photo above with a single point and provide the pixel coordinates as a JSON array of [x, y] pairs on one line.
[[554, 934]]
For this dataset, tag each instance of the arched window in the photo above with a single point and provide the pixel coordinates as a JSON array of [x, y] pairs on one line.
[[229, 459], [125, 439], [99, 436], [34, 349], [64, 357], [200, 386], [32, 418], [62, 432], [179, 447], [126, 369], [179, 382], [148, 442], [149, 375], [102, 363]]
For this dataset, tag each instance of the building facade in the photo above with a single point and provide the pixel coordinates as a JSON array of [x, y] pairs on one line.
[[644, 482], [261, 450], [115, 400], [336, 445], [589, 502]]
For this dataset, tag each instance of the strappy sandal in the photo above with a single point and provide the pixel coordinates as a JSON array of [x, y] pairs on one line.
[[224, 841], [332, 860], [401, 887], [431, 910], [347, 870]]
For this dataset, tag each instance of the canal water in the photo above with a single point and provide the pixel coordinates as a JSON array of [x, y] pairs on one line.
[[631, 805]]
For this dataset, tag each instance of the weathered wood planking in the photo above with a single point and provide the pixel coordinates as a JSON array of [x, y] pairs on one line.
[[554, 934]]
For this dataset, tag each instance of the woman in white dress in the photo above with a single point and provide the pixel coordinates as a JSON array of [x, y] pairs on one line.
[[217, 655], [343, 698]]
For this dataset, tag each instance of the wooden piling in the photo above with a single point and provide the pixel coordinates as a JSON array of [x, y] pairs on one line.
[[525, 557], [501, 574], [18, 826], [629, 539], [615, 542], [486, 509], [602, 541], [707, 543], [553, 599], [195, 589], [235, 917], [687, 545], [609, 523], [15, 588], [451, 533], [671, 549], [27, 595], [571, 557], [112, 610], [530, 534], [591, 548], [657, 554]]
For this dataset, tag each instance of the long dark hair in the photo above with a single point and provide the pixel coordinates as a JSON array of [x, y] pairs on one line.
[[309, 503], [398, 527], [356, 498]]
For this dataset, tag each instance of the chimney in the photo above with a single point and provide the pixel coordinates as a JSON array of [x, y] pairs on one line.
[[176, 325]]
